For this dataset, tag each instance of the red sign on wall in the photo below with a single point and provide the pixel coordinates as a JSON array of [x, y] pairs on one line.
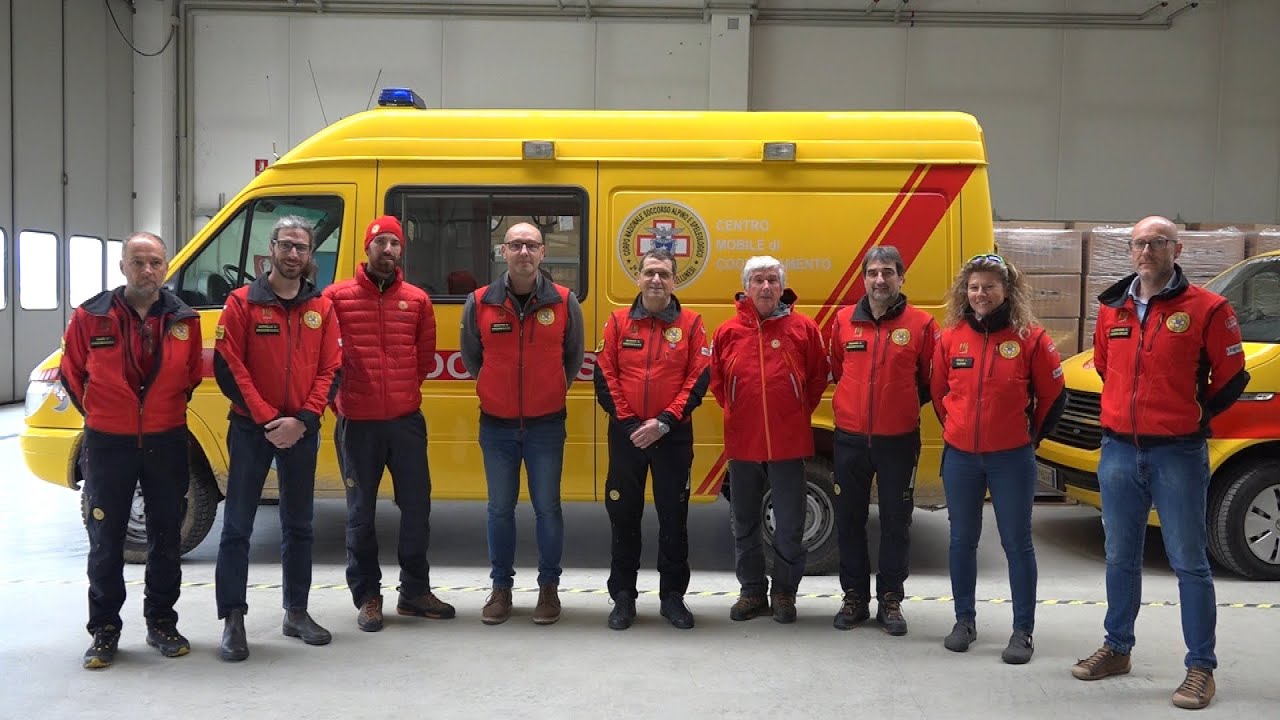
[[259, 165]]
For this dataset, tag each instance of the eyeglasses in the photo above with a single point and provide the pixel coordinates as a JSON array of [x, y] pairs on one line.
[[987, 258], [288, 247], [516, 246], [1158, 243]]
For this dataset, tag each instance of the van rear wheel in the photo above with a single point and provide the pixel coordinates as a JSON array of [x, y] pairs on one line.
[[819, 536], [1244, 520], [199, 508]]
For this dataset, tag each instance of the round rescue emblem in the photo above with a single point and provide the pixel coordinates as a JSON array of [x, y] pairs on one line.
[[546, 316], [673, 335], [1010, 349], [98, 514], [775, 344], [403, 305], [180, 331], [837, 489], [614, 495], [312, 319], [351, 481], [665, 225], [1178, 322], [901, 336]]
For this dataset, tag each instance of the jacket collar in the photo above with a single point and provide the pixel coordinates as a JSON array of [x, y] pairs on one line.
[[1118, 294], [747, 309], [666, 315], [366, 280], [862, 311], [995, 322], [171, 306], [544, 292], [260, 292]]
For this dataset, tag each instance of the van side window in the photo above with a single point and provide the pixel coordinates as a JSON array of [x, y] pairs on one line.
[[453, 234], [239, 251]]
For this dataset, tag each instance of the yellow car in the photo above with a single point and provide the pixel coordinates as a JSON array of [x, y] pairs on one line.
[[1244, 451]]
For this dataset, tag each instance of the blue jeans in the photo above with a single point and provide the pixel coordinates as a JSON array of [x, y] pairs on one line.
[[540, 446], [1010, 475], [1176, 478], [251, 457]]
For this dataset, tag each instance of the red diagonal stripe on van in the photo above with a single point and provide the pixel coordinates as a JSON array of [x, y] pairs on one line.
[[925, 207]]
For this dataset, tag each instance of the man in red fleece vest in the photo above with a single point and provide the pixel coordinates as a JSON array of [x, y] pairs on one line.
[[388, 331]]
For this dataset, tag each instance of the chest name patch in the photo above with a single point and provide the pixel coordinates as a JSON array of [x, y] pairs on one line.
[[634, 343], [502, 327], [267, 328], [855, 346], [101, 341], [1120, 332], [961, 363]]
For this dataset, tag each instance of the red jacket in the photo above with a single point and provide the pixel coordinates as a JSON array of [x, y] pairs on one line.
[[879, 365], [652, 366], [986, 377], [388, 346], [523, 361], [1167, 376], [108, 380], [768, 375], [273, 360]]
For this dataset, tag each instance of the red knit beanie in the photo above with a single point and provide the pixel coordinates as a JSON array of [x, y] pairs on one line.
[[384, 224]]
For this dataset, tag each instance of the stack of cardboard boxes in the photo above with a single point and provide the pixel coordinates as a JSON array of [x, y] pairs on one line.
[[1050, 255]]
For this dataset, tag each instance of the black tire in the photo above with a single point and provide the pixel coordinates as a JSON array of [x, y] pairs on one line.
[[1244, 520], [199, 508], [820, 520]]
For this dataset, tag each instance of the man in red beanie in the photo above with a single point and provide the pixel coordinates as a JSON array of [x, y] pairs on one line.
[[389, 342]]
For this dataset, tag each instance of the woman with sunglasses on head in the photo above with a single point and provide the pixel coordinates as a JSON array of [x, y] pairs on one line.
[[997, 388]]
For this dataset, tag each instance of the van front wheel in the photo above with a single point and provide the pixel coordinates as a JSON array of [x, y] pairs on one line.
[[199, 508], [819, 537], [1244, 520]]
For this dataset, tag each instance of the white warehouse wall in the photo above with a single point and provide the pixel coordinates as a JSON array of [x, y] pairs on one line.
[[1080, 123]]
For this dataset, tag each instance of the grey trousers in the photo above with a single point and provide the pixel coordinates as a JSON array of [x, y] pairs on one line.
[[748, 482]]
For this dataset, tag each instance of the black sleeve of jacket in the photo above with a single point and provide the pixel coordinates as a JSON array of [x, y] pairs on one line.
[[922, 390], [226, 380], [696, 394], [469, 344], [1227, 396], [1051, 420], [573, 339], [72, 397], [604, 398]]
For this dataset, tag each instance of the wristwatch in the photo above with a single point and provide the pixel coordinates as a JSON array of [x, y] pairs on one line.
[[663, 428]]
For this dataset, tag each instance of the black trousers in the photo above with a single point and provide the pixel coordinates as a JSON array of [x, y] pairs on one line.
[[785, 483], [366, 448], [670, 459], [113, 466], [891, 460]]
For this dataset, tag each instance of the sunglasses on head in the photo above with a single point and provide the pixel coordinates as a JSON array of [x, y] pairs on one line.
[[986, 258]]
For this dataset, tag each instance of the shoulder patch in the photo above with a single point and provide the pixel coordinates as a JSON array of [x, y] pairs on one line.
[[219, 332]]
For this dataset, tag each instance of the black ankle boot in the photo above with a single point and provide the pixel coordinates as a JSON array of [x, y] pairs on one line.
[[234, 645], [298, 623]]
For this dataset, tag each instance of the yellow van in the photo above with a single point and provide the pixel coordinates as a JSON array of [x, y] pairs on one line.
[[1244, 451], [814, 189]]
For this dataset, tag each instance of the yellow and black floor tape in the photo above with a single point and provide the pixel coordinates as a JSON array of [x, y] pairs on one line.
[[691, 593]]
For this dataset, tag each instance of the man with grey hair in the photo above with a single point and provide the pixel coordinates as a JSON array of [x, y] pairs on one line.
[[768, 372], [276, 359], [881, 352]]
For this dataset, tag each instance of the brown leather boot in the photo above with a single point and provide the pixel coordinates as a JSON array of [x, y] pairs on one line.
[[547, 610], [369, 619], [426, 605], [497, 608]]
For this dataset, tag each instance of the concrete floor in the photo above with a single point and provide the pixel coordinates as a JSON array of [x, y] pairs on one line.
[[579, 668]]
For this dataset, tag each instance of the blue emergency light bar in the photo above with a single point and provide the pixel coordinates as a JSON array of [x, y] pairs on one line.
[[401, 97]]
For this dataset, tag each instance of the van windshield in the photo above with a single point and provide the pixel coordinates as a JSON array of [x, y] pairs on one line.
[[1253, 289]]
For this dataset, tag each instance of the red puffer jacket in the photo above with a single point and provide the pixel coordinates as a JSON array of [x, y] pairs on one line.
[[768, 375], [388, 346]]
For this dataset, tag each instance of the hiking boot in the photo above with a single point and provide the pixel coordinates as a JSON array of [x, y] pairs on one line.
[[1104, 662], [547, 611], [676, 612], [164, 636], [889, 614], [102, 651], [784, 608], [426, 605], [235, 647], [1020, 648], [962, 636], [853, 611], [1196, 690], [369, 619], [497, 608], [298, 623], [624, 612], [749, 607]]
